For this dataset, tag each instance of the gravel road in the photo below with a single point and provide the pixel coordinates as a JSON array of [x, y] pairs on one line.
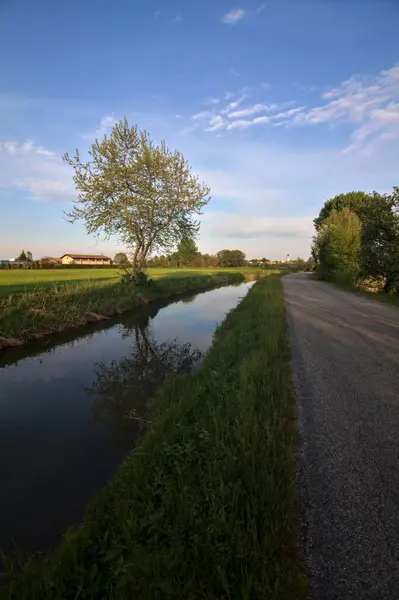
[[345, 352]]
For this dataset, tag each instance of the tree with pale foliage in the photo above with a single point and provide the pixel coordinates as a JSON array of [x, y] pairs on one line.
[[140, 193], [337, 246], [120, 258]]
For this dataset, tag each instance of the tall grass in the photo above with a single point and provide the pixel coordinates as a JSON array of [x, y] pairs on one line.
[[203, 508], [27, 316]]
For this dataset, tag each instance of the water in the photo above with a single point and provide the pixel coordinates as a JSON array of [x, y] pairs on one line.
[[73, 406]]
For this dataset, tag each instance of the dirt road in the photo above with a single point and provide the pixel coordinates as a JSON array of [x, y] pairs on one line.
[[345, 352]]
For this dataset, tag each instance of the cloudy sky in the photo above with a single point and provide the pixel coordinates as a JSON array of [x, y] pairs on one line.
[[277, 105]]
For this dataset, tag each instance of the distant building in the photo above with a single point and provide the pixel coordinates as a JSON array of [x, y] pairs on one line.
[[288, 259], [85, 259], [28, 254]]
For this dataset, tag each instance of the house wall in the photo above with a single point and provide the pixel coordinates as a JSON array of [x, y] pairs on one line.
[[67, 260]]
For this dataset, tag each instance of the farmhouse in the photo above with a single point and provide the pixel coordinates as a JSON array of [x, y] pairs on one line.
[[85, 259]]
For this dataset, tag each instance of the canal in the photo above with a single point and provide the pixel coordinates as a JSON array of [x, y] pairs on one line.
[[74, 405]]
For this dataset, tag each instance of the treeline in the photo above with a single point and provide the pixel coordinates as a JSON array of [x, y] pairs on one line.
[[358, 237], [188, 255]]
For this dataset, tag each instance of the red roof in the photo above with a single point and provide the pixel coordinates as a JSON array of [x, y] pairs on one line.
[[86, 256]]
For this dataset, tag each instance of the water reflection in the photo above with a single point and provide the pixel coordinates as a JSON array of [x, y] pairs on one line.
[[123, 389]]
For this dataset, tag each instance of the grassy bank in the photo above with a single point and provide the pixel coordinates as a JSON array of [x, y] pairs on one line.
[[368, 288], [28, 316], [14, 281], [203, 508]]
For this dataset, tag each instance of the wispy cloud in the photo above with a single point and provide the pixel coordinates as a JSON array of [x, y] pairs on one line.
[[233, 16], [252, 110], [261, 8], [371, 104], [106, 124], [231, 117], [177, 19], [35, 169], [28, 147]]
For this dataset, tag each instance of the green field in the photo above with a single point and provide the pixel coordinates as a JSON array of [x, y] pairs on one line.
[[24, 280]]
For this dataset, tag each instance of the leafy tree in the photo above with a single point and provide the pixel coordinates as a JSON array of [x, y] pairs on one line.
[[338, 246], [120, 258], [231, 258], [22, 256], [352, 200], [187, 250], [144, 195], [300, 262], [379, 256]]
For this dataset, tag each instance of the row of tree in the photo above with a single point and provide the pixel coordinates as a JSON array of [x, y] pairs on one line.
[[188, 255], [358, 236]]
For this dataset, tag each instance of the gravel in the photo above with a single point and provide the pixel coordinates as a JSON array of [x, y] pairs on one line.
[[345, 353]]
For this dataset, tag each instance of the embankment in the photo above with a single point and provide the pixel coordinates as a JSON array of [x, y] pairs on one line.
[[28, 316], [204, 507]]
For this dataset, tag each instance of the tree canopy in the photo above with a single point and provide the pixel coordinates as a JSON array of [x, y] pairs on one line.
[[22, 256], [360, 237], [187, 250], [338, 246], [231, 258], [140, 193], [121, 258], [352, 200], [379, 255]]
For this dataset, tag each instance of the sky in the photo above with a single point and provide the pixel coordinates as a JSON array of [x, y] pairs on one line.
[[277, 106]]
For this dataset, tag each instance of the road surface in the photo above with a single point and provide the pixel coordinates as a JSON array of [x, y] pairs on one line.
[[345, 352]]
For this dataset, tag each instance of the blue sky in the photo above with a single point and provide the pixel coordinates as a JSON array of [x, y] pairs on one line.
[[277, 106]]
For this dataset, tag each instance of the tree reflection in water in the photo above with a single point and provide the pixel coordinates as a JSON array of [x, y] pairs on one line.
[[122, 389]]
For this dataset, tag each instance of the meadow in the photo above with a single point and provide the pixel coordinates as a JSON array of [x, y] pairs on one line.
[[26, 280]]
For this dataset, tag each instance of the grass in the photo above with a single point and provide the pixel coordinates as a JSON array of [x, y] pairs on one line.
[[28, 316], [25, 280], [203, 509]]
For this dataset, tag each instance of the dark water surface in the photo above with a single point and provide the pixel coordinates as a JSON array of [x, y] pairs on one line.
[[73, 406]]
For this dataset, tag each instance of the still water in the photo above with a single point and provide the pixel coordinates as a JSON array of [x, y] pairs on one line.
[[73, 406]]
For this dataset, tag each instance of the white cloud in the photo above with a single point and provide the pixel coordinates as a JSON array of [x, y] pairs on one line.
[[177, 19], [233, 105], [261, 8], [217, 122], [213, 101], [205, 114], [368, 103], [252, 110], [47, 190], [27, 166], [106, 124], [239, 124], [231, 117], [233, 16], [16, 148]]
